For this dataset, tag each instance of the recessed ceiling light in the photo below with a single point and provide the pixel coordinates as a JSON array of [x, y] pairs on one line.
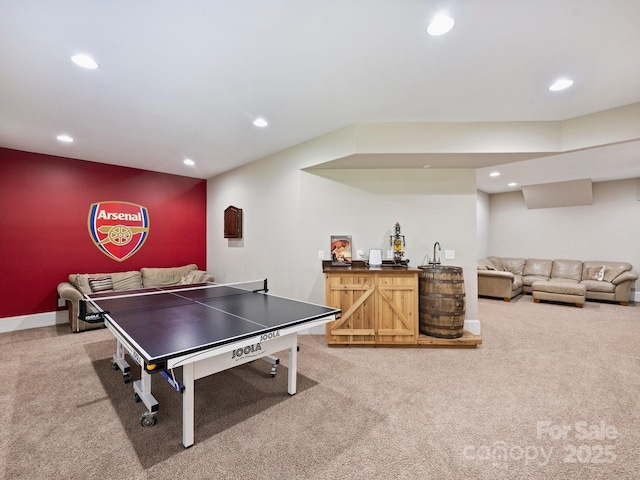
[[65, 138], [84, 61], [189, 162], [440, 25], [426, 166], [494, 174], [561, 84], [512, 184], [260, 122]]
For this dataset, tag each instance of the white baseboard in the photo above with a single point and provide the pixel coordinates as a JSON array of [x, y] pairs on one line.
[[24, 322]]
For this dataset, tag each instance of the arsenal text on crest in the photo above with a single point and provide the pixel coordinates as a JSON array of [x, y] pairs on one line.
[[133, 217]]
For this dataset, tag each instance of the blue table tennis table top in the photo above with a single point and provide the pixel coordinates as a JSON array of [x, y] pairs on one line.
[[164, 323]]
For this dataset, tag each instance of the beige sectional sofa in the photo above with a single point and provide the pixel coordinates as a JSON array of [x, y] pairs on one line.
[[566, 280], [87, 283]]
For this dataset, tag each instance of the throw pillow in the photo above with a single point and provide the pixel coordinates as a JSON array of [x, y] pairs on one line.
[[187, 279], [595, 273], [199, 276], [196, 276], [102, 284]]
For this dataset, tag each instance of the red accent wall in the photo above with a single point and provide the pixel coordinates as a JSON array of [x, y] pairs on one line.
[[44, 209]]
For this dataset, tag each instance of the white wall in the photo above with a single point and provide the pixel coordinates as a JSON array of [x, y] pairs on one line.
[[290, 214], [483, 216], [607, 230]]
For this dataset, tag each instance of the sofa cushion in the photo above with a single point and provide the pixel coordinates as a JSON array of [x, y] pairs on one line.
[[561, 287], [567, 269], [560, 280], [535, 270], [611, 269], [599, 286], [80, 281], [101, 284], [164, 277], [508, 264], [517, 282], [529, 280], [497, 263], [513, 265], [485, 264], [127, 280], [538, 267]]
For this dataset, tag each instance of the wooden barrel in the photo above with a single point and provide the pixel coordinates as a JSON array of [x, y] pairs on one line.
[[442, 301]]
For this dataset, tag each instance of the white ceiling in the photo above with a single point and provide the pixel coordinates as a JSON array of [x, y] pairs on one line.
[[186, 78]]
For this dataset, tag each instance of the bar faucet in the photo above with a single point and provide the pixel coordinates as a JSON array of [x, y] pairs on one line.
[[436, 260]]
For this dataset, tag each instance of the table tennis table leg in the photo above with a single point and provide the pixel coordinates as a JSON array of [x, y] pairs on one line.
[[273, 361], [142, 390], [188, 404], [119, 363], [293, 364]]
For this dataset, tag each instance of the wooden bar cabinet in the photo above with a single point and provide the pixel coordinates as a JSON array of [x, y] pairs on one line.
[[379, 306]]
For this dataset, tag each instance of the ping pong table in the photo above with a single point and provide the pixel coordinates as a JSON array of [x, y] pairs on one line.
[[203, 328]]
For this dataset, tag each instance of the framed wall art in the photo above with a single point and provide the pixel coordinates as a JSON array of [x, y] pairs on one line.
[[341, 250]]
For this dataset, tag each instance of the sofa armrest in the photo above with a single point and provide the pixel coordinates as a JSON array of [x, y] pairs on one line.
[[493, 283], [66, 291], [625, 277], [495, 274], [203, 276], [72, 295]]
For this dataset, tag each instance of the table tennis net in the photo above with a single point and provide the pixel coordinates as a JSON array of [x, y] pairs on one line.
[[94, 308]]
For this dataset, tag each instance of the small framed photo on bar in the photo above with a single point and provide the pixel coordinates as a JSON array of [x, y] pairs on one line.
[[340, 250]]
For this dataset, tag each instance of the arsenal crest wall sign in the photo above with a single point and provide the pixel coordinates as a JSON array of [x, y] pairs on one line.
[[118, 229]]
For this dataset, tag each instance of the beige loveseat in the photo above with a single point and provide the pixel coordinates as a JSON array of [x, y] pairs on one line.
[[505, 278], [87, 283]]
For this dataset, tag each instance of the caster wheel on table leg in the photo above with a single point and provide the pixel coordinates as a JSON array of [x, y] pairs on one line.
[[126, 378], [114, 366], [137, 398], [148, 419]]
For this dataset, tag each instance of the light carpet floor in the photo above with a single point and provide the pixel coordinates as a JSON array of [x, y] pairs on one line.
[[552, 393]]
